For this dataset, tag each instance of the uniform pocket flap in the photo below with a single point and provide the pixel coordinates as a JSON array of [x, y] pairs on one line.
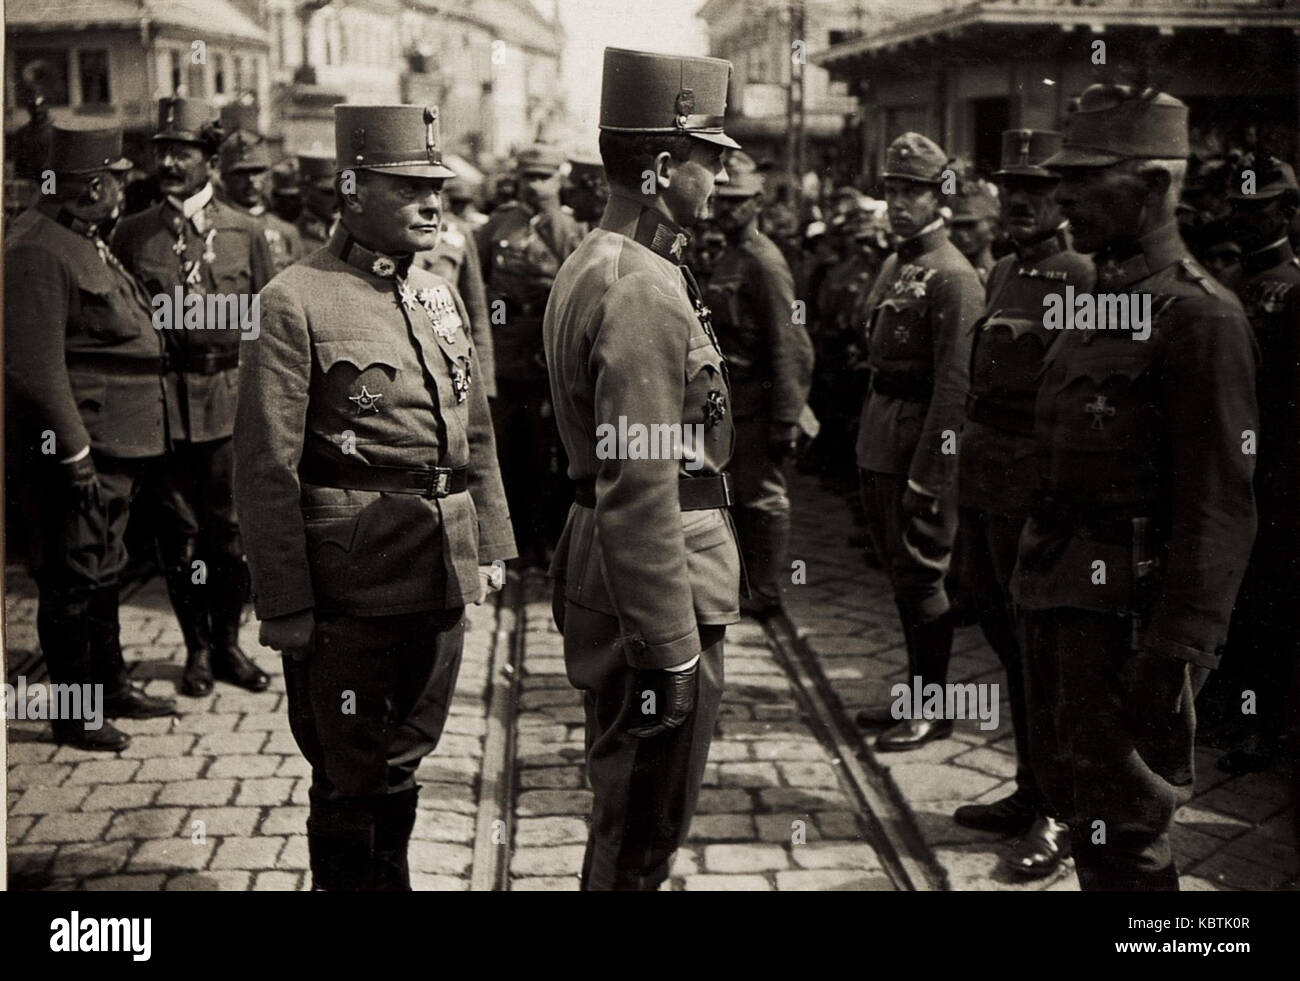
[[703, 356], [331, 524], [357, 352], [1016, 326], [1103, 369]]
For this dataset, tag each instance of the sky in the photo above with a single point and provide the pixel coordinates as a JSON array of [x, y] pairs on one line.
[[592, 25]]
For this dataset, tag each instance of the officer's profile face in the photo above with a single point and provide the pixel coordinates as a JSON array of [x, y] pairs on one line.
[[98, 197], [245, 187], [690, 181], [182, 168], [393, 213], [1104, 205], [1029, 211], [911, 205]]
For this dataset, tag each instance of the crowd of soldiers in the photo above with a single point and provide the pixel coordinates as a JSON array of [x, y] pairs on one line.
[[421, 399]]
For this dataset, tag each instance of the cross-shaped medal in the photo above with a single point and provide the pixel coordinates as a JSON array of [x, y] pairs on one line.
[[1099, 408]]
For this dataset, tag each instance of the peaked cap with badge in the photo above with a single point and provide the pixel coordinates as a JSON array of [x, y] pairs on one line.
[[644, 92], [82, 148], [399, 140], [1024, 150], [182, 120]]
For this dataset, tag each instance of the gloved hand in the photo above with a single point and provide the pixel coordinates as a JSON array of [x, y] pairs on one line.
[[491, 579], [674, 697], [83, 484], [290, 634], [916, 503], [782, 441]]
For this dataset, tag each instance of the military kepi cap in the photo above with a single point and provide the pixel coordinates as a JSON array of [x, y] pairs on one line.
[[185, 120], [540, 158], [1120, 122], [1024, 150], [914, 157], [643, 92], [313, 167], [239, 116], [400, 140], [1272, 177], [81, 150], [243, 150]]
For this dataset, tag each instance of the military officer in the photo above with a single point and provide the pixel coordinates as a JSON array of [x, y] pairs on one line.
[[647, 570], [921, 309], [521, 248], [83, 376], [1129, 564], [974, 226], [245, 162], [1262, 651], [455, 259], [996, 465], [191, 243], [587, 190], [320, 208], [770, 357], [373, 506]]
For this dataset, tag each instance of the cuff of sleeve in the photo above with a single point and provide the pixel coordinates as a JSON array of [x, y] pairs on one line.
[[283, 603], [1182, 652], [639, 654], [502, 548], [85, 452]]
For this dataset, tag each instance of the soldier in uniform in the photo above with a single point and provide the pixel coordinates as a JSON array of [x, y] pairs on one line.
[[373, 506], [996, 465], [770, 358], [245, 162], [455, 259], [974, 226], [83, 376], [1130, 562], [647, 572], [286, 198], [587, 191], [521, 248], [1262, 647], [320, 207], [921, 309], [192, 243]]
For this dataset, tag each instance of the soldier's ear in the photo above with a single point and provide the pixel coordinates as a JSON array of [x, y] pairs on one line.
[[1156, 180], [664, 167]]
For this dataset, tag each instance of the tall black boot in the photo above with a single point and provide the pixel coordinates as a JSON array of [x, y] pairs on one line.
[[394, 822], [341, 844], [108, 668], [190, 601], [929, 644], [769, 542], [228, 585], [65, 634]]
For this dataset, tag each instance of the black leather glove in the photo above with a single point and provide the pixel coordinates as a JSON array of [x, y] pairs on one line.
[[674, 697], [915, 503], [83, 484]]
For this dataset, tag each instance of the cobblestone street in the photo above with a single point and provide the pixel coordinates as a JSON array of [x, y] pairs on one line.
[[216, 798]]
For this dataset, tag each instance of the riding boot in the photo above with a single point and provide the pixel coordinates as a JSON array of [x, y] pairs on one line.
[[190, 601], [394, 822], [341, 844], [108, 668], [229, 663]]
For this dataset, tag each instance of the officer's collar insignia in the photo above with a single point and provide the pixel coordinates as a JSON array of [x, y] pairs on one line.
[[347, 248], [661, 236], [1157, 250], [366, 401]]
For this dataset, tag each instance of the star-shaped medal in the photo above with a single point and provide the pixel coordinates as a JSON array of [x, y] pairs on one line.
[[407, 295], [366, 400]]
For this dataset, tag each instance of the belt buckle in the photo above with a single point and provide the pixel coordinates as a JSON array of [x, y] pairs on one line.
[[436, 483]]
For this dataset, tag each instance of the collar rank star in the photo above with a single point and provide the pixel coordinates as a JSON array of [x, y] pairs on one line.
[[366, 401], [1100, 409]]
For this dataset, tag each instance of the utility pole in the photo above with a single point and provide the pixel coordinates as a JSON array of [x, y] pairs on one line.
[[794, 103]]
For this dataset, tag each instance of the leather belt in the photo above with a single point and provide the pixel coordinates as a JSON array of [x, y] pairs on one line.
[[428, 482], [906, 387], [204, 362], [998, 415], [103, 363], [695, 493]]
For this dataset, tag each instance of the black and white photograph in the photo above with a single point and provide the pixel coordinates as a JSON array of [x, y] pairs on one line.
[[653, 445]]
